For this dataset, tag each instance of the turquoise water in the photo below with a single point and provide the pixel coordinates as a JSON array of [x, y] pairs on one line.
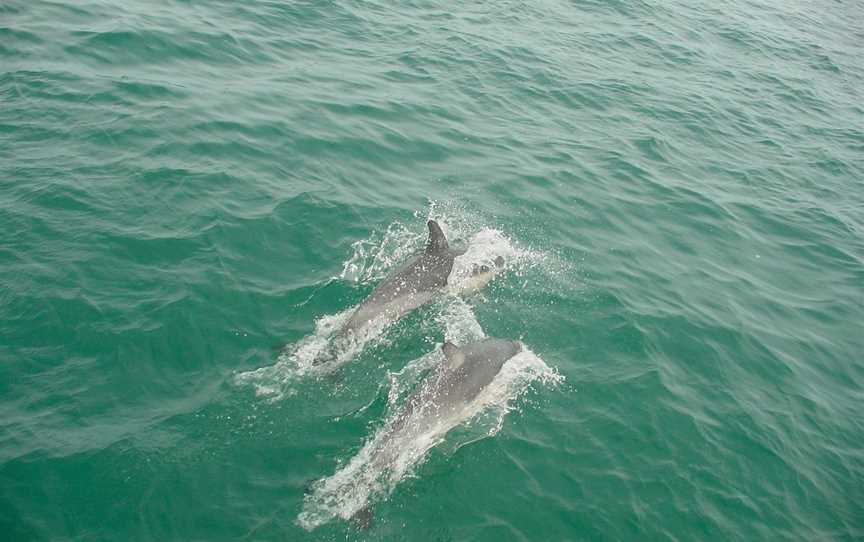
[[678, 187]]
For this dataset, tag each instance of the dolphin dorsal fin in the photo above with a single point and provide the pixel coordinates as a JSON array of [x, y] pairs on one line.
[[437, 239], [452, 354]]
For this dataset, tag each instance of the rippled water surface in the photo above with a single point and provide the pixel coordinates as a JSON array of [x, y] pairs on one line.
[[192, 194]]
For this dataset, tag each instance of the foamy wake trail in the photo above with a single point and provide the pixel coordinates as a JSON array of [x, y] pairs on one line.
[[297, 360], [391, 454]]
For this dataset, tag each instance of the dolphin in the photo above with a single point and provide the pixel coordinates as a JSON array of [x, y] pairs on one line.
[[408, 287], [454, 383], [441, 401]]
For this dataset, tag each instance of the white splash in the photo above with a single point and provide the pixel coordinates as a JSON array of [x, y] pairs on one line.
[[457, 319], [298, 360], [391, 454], [374, 257]]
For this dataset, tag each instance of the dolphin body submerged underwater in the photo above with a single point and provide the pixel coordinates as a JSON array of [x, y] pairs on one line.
[[408, 287], [440, 403]]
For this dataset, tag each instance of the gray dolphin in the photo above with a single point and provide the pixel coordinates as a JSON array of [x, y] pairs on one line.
[[410, 286], [463, 374], [444, 399], [438, 404]]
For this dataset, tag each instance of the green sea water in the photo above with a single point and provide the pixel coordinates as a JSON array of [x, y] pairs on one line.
[[678, 189]]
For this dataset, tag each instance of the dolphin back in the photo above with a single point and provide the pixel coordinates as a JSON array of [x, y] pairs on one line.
[[474, 366], [490, 352], [411, 285]]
